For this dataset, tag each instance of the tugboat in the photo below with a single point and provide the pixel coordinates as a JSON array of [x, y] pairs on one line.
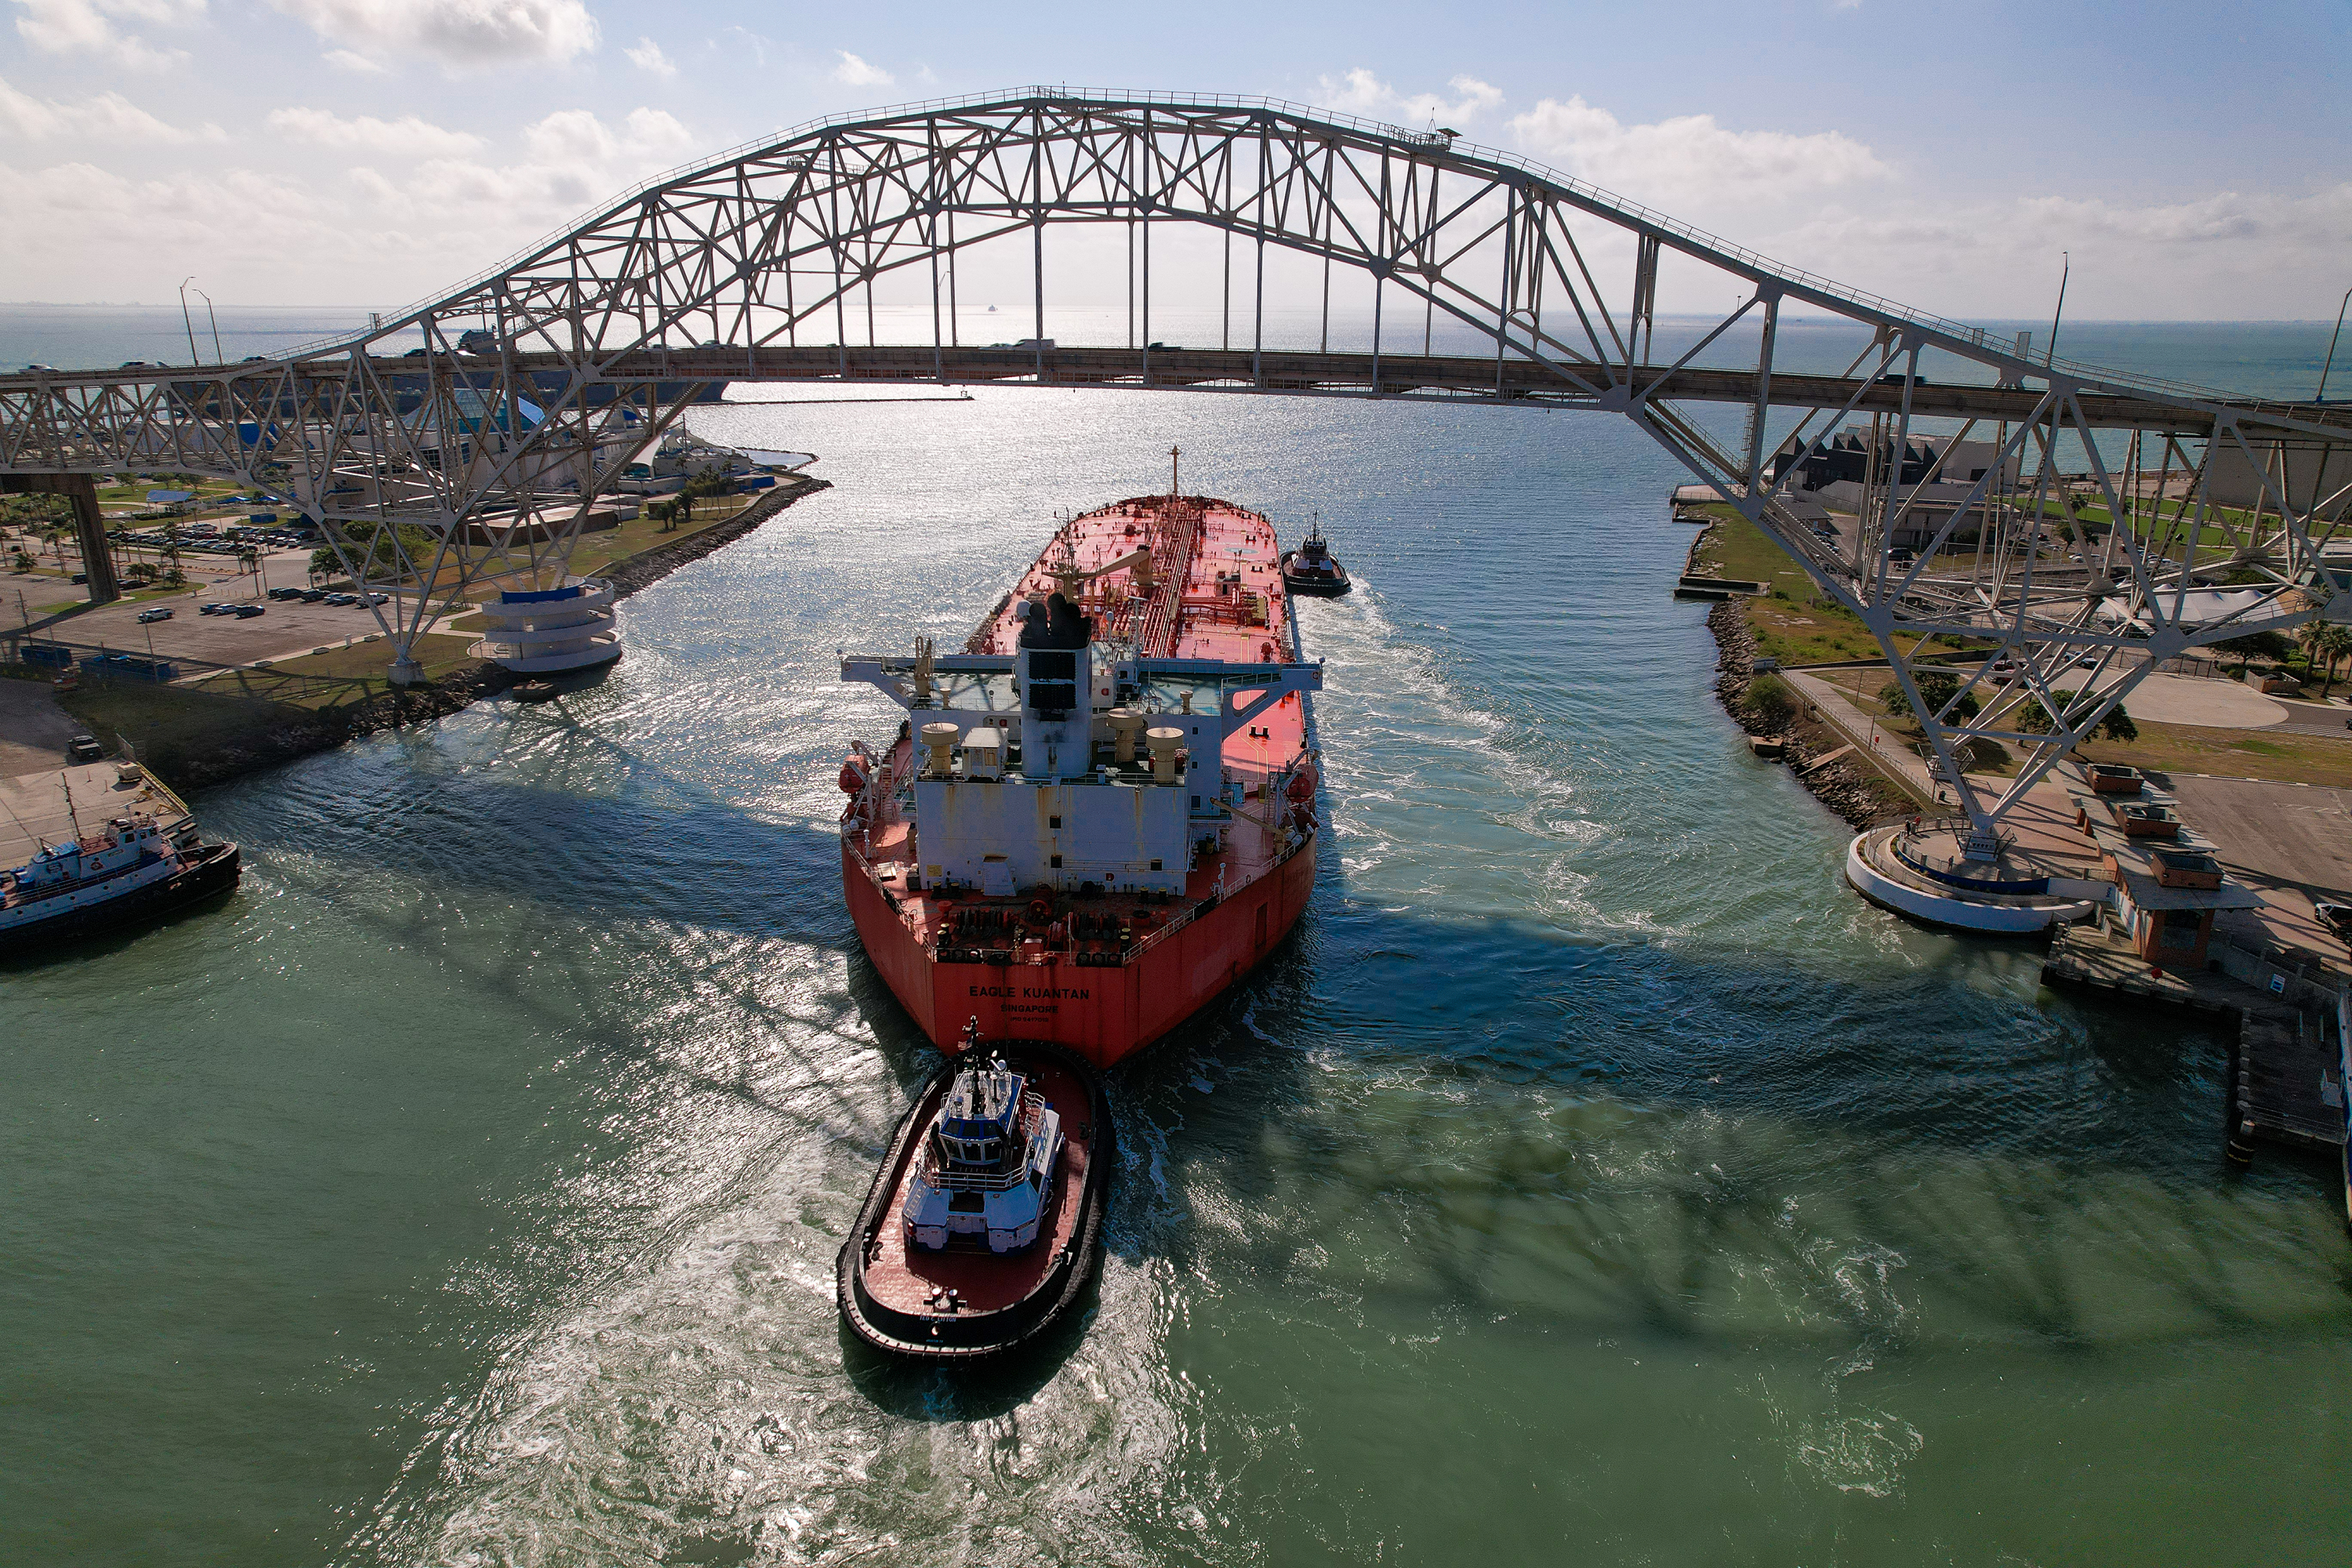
[[134, 870], [984, 1223], [1312, 571]]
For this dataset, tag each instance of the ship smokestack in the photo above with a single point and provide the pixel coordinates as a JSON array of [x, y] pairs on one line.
[[1125, 726], [940, 739], [1164, 745]]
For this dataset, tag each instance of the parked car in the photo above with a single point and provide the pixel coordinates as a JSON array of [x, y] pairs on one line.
[[160, 613], [247, 612], [84, 749], [2089, 661], [378, 598], [212, 609], [341, 599], [311, 595]]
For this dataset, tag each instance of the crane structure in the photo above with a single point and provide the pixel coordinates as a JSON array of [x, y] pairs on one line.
[[2067, 527]]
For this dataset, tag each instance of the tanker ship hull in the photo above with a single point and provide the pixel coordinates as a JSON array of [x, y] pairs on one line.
[[1014, 858], [1102, 1012]]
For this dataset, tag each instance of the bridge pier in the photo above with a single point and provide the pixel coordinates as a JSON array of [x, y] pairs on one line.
[[89, 524]]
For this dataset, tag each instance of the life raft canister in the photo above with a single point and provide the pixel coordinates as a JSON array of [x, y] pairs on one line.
[[853, 777], [1041, 911]]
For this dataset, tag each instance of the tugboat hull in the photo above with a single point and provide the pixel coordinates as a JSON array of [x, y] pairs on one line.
[[963, 1303], [1314, 584], [211, 871]]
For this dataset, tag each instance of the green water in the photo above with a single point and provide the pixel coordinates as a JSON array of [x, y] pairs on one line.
[[1593, 1179]]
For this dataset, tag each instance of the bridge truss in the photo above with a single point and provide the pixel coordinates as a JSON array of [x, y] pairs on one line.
[[443, 474]]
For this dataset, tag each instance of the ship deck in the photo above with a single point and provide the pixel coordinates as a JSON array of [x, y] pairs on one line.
[[1218, 596]]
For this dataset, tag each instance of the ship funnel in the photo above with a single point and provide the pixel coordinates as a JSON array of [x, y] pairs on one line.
[[940, 739], [1164, 744], [1125, 726]]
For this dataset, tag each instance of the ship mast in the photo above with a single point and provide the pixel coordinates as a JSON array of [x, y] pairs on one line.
[[1174, 489]]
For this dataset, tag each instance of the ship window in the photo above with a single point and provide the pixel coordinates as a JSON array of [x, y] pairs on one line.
[[1057, 862], [1155, 865], [1054, 822]]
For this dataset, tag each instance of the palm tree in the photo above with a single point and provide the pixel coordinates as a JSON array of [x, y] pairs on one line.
[[2334, 643]]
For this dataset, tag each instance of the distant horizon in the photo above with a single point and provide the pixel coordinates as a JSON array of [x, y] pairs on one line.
[[1787, 316]]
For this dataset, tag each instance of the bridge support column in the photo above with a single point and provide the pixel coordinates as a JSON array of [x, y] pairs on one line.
[[89, 524]]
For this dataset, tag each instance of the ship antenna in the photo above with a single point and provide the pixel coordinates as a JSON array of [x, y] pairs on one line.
[[66, 783]]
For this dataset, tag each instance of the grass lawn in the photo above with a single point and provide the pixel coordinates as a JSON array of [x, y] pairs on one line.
[[172, 725], [1792, 625], [2286, 756]]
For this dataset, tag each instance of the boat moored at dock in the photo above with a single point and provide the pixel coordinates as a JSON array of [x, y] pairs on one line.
[[144, 858]]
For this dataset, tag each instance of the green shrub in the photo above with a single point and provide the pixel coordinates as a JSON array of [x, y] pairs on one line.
[[1937, 687], [1770, 700]]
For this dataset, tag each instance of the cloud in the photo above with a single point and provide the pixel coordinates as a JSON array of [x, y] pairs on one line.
[[647, 56], [86, 27], [109, 117], [2258, 255], [1361, 92], [407, 137], [455, 32], [1690, 158], [357, 65], [571, 161], [857, 73]]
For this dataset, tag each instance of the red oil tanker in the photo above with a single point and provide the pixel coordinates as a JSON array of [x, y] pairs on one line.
[[1099, 813]]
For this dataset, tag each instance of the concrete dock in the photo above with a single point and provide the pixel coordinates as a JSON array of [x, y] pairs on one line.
[[34, 810]]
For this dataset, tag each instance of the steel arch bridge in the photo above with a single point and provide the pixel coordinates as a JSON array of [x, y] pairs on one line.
[[448, 472]]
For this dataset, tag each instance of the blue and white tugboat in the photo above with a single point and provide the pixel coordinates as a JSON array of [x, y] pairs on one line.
[[138, 867], [984, 1223]]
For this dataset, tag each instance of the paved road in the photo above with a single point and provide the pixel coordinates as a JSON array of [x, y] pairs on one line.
[[32, 728]]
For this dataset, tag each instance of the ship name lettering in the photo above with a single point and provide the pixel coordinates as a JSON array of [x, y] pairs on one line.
[[1057, 993]]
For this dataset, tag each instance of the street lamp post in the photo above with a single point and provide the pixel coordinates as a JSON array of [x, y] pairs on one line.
[[218, 357], [2065, 266], [188, 321], [2321, 395]]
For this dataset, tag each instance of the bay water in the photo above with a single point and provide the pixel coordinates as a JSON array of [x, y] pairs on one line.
[[1592, 1178]]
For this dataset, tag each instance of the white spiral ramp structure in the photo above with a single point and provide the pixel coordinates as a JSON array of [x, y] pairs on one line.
[[555, 629]]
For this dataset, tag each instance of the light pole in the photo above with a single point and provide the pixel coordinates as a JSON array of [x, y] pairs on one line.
[[2321, 395], [218, 358], [188, 321], [2065, 266]]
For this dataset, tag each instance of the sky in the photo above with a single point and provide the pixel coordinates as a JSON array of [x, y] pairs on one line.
[[2190, 160]]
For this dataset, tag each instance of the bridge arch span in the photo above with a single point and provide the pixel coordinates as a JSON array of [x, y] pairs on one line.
[[450, 471]]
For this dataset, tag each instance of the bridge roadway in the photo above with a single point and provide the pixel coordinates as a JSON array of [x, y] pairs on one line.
[[1396, 375], [1470, 377]]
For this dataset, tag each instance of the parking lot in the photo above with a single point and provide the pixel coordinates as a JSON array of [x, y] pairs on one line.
[[283, 630]]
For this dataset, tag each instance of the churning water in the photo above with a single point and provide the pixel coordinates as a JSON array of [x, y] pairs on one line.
[[1592, 1179]]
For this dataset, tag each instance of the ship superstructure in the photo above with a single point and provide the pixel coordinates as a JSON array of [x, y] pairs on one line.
[[986, 1171], [1099, 813]]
